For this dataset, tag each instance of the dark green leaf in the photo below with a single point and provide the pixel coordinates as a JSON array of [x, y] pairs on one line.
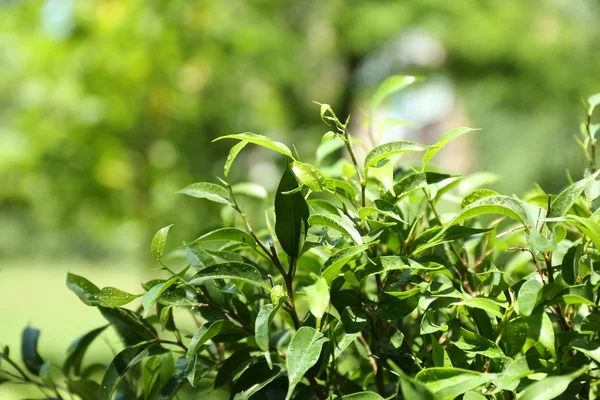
[[77, 350], [291, 215], [86, 389], [233, 366], [570, 264], [203, 335], [29, 353], [476, 344], [260, 376], [347, 330], [229, 270], [90, 295], [132, 328], [121, 364]]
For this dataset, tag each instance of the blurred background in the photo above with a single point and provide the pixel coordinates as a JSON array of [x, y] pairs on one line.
[[108, 107]]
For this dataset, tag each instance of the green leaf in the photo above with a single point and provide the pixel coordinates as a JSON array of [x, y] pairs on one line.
[[263, 322], [390, 86], [539, 242], [550, 387], [440, 355], [485, 304], [362, 396], [390, 263], [158, 242], [327, 148], [429, 324], [235, 150], [265, 376], [227, 235], [90, 295], [342, 187], [565, 200], [87, 292], [570, 264], [410, 388], [309, 175], [250, 189], [77, 350], [332, 267], [540, 328], [415, 182], [229, 270], [445, 139], [473, 343], [318, 297], [517, 370], [29, 342], [397, 305], [447, 383], [203, 335], [389, 149], [302, 353], [585, 225], [473, 396], [132, 328], [121, 364], [453, 233], [347, 330], [150, 375], [528, 295], [86, 389], [492, 205], [235, 365], [291, 215], [261, 141], [338, 223], [209, 191], [475, 195], [153, 294]]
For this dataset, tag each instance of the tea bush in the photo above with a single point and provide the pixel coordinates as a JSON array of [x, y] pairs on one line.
[[367, 280]]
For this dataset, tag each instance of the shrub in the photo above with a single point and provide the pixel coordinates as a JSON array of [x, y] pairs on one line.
[[366, 282]]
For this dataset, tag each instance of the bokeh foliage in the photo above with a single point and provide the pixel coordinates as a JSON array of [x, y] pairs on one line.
[[108, 106]]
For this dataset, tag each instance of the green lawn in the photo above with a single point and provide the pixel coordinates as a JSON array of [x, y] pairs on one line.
[[35, 294]]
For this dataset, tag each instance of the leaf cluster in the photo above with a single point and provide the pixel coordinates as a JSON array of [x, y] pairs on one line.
[[372, 280]]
